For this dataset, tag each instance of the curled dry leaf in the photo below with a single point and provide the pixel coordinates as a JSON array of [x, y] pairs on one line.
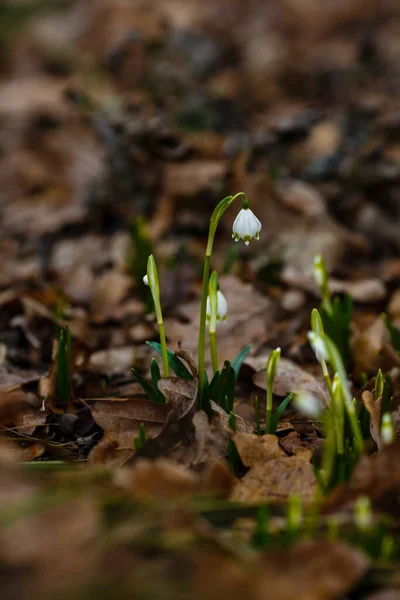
[[374, 409], [273, 475]]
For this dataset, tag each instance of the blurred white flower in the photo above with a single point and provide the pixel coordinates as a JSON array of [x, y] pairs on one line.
[[307, 404], [246, 226], [146, 280], [388, 432], [222, 307], [318, 345]]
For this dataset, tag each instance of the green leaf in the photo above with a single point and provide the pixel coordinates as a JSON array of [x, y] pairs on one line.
[[393, 332], [150, 391], [238, 360], [224, 391], [337, 325], [155, 372], [175, 364], [279, 412]]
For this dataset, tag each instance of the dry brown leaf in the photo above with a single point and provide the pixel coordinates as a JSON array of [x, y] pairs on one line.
[[21, 410], [289, 378], [160, 478], [249, 316], [121, 418], [273, 475], [374, 409], [368, 348]]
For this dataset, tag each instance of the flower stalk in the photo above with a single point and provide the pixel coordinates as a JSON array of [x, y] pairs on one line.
[[218, 211], [217, 309], [152, 281], [270, 374]]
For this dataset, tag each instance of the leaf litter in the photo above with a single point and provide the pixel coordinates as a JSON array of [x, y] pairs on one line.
[[113, 112]]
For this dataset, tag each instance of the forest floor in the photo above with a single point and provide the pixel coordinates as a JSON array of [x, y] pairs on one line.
[[122, 125]]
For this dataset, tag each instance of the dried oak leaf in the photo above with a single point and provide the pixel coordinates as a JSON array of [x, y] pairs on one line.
[[120, 420], [273, 475], [165, 424]]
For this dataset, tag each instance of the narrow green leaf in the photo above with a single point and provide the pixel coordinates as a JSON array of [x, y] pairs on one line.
[[279, 412], [238, 360], [150, 391], [155, 372], [175, 364]]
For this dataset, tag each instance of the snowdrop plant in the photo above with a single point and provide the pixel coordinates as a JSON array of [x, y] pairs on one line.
[[151, 279], [335, 312], [217, 309], [246, 226], [270, 374], [324, 347], [322, 281]]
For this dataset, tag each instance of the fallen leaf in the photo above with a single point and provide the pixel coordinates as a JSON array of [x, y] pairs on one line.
[[249, 316], [374, 409], [273, 475], [289, 378], [160, 478]]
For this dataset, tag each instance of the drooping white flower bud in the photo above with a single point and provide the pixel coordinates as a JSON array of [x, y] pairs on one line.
[[222, 307], [246, 226], [146, 280]]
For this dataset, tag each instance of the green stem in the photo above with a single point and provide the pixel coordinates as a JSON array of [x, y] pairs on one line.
[[164, 352], [215, 218], [268, 412], [213, 351], [202, 328]]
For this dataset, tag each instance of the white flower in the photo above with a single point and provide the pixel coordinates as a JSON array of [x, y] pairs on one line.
[[388, 432], [307, 404], [222, 307], [246, 226], [318, 344], [146, 280]]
